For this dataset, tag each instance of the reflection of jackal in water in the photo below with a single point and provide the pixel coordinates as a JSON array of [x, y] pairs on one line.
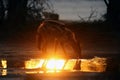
[[55, 40]]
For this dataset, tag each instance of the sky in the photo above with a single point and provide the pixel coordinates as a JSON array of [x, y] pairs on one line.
[[72, 9]]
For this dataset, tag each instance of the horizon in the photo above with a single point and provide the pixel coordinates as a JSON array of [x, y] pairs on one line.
[[72, 9]]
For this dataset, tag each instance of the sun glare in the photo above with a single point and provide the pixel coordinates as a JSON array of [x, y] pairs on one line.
[[34, 63], [54, 64], [49, 64]]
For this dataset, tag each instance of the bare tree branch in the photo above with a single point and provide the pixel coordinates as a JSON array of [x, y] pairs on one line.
[[106, 2], [92, 14]]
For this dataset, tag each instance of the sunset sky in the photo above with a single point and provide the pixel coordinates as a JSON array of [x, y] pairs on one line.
[[71, 9]]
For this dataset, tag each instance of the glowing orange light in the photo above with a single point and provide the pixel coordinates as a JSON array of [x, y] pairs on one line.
[[54, 64], [4, 65], [70, 64], [34, 63]]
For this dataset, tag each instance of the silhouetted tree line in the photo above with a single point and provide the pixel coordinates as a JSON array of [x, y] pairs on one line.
[[113, 11], [19, 11], [113, 18], [2, 10], [17, 16]]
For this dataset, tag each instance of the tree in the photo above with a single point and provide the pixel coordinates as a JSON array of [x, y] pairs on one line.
[[113, 17], [2, 10], [36, 9], [113, 11], [18, 11]]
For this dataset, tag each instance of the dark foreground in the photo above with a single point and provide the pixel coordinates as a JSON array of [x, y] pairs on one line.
[[61, 75], [95, 40]]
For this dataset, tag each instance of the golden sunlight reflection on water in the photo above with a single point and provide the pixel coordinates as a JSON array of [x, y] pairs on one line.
[[95, 64], [4, 65]]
